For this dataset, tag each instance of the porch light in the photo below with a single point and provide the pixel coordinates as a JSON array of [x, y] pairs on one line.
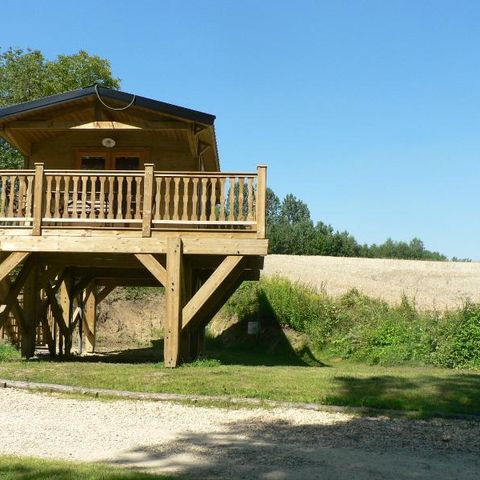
[[108, 142]]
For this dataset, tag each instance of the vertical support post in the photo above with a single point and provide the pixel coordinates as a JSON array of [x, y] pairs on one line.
[[31, 299], [90, 317], [147, 200], [186, 334], [38, 199], [173, 293], [261, 200], [65, 300]]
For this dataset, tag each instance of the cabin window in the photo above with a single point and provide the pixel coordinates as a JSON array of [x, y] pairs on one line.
[[89, 162], [126, 163], [111, 160]]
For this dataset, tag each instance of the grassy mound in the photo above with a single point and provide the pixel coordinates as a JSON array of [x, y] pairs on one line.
[[357, 327]]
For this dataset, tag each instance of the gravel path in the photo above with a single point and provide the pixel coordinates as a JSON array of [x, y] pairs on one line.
[[280, 444]]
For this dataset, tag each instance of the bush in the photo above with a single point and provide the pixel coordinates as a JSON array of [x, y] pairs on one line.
[[8, 352], [459, 339], [355, 326]]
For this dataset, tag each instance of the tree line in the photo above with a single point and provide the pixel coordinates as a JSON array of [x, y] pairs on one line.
[[291, 231]]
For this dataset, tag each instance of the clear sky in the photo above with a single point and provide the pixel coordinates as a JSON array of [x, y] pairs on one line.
[[369, 111]]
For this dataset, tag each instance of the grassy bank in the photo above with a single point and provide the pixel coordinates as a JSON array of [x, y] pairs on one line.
[[339, 383], [361, 328], [26, 468]]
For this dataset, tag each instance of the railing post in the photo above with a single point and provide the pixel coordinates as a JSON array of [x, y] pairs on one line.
[[147, 200], [261, 200], [38, 199]]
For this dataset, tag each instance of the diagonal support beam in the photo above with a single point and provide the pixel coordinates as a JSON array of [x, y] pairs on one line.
[[102, 294], [14, 307], [153, 266], [12, 261], [210, 287], [15, 288]]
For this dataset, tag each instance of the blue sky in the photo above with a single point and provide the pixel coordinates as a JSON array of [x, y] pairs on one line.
[[369, 111]]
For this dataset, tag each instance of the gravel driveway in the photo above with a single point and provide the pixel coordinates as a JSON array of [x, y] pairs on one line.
[[237, 444]]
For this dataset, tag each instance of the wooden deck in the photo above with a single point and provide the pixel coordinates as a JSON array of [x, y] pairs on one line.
[[62, 202]]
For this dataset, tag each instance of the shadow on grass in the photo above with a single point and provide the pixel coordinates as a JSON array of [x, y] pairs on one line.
[[423, 394]]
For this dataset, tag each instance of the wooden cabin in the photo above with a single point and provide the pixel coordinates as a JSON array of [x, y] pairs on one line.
[[120, 190]]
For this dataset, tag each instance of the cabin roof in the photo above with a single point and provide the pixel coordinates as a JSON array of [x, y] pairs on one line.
[[24, 124], [20, 109]]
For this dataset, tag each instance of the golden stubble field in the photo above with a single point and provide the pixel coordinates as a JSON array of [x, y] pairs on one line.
[[436, 285]]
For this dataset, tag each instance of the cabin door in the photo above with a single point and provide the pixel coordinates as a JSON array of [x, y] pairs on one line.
[[119, 195]]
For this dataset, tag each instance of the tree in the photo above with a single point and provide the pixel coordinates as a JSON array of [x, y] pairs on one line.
[[27, 75], [273, 207], [294, 210]]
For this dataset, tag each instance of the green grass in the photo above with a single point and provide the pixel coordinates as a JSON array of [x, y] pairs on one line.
[[26, 468], [419, 389]]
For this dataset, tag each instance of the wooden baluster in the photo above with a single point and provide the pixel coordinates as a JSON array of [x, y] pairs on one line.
[[167, 215], [186, 184], [75, 197], [128, 209], [111, 198], [56, 212], [21, 197], [176, 197], [221, 216], [138, 197], [231, 200], [48, 204], [93, 197], [66, 195], [213, 200], [120, 198], [158, 199], [83, 213], [241, 187], [3, 197], [101, 198], [29, 197], [203, 202], [250, 199], [195, 208], [11, 203]]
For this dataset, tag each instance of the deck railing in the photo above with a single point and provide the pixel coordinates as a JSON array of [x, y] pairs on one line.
[[146, 200]]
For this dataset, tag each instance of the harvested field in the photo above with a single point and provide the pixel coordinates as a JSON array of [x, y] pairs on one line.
[[436, 285]]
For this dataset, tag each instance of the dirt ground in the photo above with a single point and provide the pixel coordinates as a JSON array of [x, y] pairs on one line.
[[213, 443], [432, 284]]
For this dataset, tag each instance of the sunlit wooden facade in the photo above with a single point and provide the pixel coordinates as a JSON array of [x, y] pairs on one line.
[[120, 190]]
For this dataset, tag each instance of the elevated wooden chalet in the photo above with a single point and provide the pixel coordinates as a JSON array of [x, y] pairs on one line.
[[120, 190]]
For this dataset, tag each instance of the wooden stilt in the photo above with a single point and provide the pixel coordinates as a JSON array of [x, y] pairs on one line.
[[31, 300], [65, 302], [90, 318], [173, 291]]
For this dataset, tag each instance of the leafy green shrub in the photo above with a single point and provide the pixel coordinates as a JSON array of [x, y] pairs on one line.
[[8, 352], [459, 339]]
